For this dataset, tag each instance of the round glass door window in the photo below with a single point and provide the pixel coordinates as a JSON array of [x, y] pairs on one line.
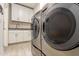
[[59, 26]]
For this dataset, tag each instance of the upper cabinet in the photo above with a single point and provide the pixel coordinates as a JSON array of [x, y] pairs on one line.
[[14, 12], [21, 13]]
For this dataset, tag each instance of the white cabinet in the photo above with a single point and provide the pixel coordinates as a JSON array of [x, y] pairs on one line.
[[12, 36], [15, 12], [21, 13], [15, 36], [19, 36], [27, 14], [27, 35]]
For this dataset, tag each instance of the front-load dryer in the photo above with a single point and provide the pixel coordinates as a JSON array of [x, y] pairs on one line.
[[36, 41], [60, 29]]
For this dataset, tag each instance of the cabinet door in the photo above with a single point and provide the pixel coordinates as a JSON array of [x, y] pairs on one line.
[[20, 35], [27, 35], [21, 13], [12, 36], [15, 12], [26, 14], [30, 14]]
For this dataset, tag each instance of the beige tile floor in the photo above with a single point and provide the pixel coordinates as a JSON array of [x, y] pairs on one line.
[[19, 49]]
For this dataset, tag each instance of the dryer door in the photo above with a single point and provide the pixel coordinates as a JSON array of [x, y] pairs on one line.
[[35, 28], [59, 27]]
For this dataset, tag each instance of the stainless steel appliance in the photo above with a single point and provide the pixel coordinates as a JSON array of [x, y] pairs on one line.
[[60, 29], [36, 32]]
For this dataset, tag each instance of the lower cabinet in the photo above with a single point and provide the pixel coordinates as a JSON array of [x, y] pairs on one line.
[[19, 36], [12, 36], [27, 35]]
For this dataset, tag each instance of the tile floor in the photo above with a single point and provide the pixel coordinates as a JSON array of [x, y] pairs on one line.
[[19, 49]]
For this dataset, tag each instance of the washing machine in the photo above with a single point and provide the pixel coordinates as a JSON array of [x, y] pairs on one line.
[[60, 29], [36, 41]]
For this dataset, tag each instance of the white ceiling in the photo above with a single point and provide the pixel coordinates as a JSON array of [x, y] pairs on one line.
[[32, 5]]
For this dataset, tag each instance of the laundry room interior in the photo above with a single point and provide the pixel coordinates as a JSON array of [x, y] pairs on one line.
[[39, 29], [15, 34]]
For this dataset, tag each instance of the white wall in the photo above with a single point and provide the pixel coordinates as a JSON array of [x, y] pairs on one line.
[[37, 8], [6, 15], [1, 33], [42, 5]]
